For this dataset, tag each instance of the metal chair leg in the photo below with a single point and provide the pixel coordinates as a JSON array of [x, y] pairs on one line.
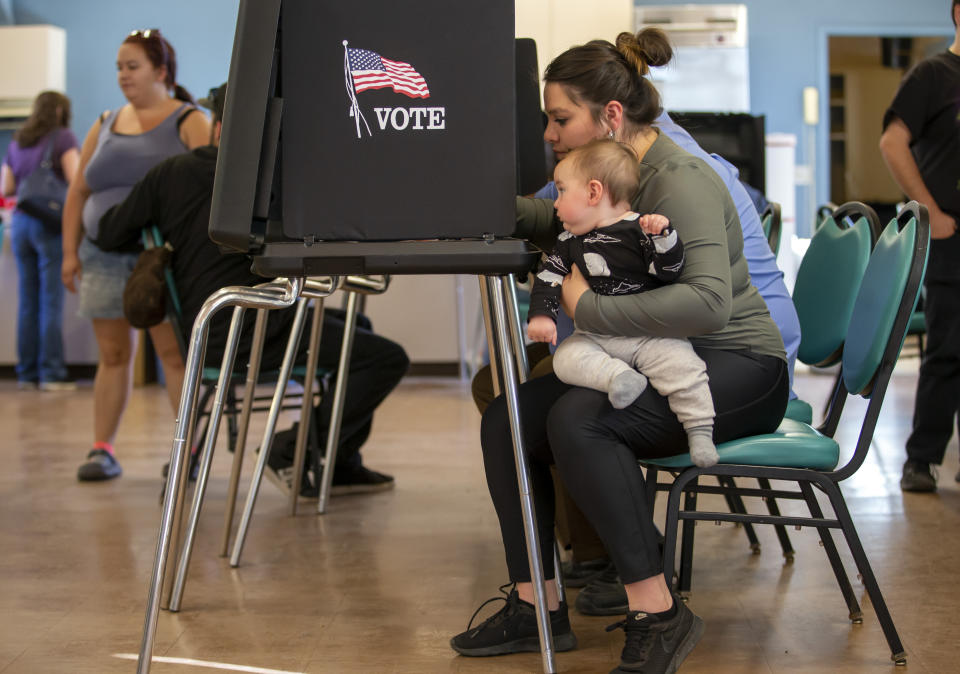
[[684, 579], [185, 417], [296, 330], [853, 607], [735, 505], [206, 456], [897, 654], [781, 530], [501, 329], [253, 372], [306, 406], [339, 395]]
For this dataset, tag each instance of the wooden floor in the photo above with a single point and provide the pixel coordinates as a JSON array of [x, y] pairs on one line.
[[382, 581]]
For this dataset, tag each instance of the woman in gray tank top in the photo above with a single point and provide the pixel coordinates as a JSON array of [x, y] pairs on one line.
[[157, 121]]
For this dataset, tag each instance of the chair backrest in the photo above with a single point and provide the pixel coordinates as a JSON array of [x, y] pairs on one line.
[[772, 222], [827, 284], [885, 297], [878, 325]]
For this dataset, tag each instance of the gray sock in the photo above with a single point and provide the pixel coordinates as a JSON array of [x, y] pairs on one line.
[[625, 388], [702, 450]]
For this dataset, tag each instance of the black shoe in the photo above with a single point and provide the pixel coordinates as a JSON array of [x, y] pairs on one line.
[[578, 574], [194, 468], [100, 465], [604, 595], [655, 645], [918, 476], [513, 629], [359, 480], [956, 478], [279, 470]]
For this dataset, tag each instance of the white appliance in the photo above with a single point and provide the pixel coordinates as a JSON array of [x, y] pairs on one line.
[[710, 70], [34, 59]]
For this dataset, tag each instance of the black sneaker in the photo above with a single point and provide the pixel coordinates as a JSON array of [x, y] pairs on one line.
[[279, 470], [359, 480], [604, 595], [578, 574], [100, 465], [513, 629], [918, 476], [657, 646]]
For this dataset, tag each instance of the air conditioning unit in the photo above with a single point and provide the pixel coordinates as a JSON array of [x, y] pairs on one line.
[[34, 59], [710, 68], [698, 25]]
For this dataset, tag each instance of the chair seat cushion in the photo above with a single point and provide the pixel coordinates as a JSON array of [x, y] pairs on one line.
[[792, 445], [799, 410]]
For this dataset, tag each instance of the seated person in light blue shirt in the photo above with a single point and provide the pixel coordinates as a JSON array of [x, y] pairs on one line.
[[764, 273]]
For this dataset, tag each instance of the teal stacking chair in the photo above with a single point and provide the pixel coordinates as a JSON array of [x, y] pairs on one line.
[[827, 284], [772, 223], [796, 452]]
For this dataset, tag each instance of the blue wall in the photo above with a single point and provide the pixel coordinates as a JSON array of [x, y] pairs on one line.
[[201, 31], [787, 42], [788, 51]]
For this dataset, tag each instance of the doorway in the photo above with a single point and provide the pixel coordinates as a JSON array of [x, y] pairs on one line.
[[864, 73]]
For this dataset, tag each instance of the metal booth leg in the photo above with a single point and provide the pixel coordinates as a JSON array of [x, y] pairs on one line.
[[185, 414], [501, 330], [306, 407], [253, 372], [206, 456], [339, 394], [296, 330]]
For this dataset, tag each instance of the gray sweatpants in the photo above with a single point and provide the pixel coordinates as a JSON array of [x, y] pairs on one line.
[[671, 365]]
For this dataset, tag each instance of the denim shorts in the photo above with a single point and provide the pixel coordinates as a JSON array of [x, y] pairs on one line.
[[104, 276]]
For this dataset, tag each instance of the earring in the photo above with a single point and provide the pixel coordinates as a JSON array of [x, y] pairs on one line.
[[610, 133]]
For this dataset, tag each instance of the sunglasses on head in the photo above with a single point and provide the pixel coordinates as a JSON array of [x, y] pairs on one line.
[[146, 34]]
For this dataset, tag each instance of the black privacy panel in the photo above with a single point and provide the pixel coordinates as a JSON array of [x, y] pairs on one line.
[[398, 119]]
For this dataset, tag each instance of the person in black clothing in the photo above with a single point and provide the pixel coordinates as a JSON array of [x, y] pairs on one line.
[[921, 146], [175, 197]]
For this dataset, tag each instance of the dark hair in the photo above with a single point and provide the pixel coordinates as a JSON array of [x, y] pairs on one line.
[[160, 53], [953, 12], [51, 110], [599, 72], [614, 164]]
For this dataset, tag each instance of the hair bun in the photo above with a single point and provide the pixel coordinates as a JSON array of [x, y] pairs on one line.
[[648, 47]]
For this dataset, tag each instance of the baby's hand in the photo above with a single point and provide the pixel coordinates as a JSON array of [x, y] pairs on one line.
[[542, 329], [653, 223]]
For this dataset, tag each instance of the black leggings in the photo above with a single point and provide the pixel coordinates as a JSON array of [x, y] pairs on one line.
[[596, 448]]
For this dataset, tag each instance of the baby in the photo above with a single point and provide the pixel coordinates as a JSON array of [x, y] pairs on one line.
[[619, 252]]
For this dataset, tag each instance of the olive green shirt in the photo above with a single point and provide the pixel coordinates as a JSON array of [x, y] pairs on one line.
[[713, 302]]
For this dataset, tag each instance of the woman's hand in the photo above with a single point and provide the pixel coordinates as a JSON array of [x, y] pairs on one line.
[[574, 285], [70, 269]]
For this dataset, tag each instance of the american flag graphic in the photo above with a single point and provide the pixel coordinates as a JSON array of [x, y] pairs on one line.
[[372, 71]]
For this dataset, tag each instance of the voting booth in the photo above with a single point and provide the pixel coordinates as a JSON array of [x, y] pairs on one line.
[[371, 137], [348, 125]]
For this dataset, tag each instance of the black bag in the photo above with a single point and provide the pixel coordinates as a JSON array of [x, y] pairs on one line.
[[42, 193], [145, 295]]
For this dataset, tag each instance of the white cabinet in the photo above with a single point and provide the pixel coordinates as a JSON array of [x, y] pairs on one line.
[[34, 59]]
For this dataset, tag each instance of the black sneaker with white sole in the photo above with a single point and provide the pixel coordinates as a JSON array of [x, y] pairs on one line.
[[513, 629], [657, 645]]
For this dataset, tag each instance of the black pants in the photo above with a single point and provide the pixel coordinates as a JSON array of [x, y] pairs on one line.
[[938, 386], [596, 448], [377, 365]]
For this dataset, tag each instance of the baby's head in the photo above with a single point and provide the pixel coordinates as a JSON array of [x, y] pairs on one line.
[[595, 181]]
